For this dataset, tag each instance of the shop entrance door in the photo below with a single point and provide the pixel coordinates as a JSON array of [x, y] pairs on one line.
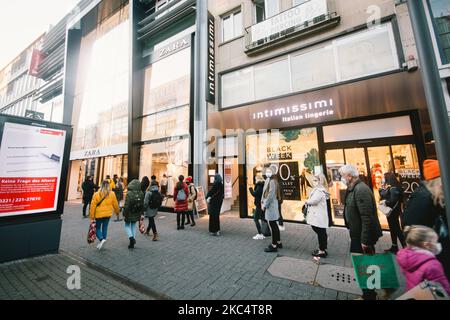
[[228, 168], [372, 163]]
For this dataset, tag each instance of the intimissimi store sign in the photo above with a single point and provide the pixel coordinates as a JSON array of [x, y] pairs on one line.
[[298, 112]]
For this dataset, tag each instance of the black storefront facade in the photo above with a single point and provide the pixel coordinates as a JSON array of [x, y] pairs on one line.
[[377, 124]]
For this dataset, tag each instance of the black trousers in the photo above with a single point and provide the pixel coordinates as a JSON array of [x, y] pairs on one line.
[[280, 220], [355, 247], [257, 217], [322, 236], [151, 225], [190, 216], [85, 205], [395, 229], [214, 223], [275, 232], [181, 215]]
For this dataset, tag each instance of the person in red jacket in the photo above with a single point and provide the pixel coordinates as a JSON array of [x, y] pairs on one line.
[[180, 196], [418, 260]]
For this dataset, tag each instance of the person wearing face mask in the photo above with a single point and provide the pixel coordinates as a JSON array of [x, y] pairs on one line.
[[269, 204], [418, 260], [361, 217], [426, 207], [317, 216]]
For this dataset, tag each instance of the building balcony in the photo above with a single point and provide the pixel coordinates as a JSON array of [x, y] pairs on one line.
[[297, 22]]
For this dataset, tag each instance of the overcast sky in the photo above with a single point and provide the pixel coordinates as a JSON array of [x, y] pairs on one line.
[[22, 21]]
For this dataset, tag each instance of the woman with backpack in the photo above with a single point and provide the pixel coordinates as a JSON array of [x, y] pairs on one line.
[[214, 198], [152, 202], [391, 196], [191, 198], [180, 195], [101, 210], [133, 209], [317, 213]]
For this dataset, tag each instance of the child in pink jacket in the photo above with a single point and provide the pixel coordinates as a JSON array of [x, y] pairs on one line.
[[418, 260]]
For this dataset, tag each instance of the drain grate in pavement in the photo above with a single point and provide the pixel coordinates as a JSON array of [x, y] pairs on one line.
[[338, 278]]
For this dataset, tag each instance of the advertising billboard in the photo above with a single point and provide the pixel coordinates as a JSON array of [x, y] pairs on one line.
[[31, 160]]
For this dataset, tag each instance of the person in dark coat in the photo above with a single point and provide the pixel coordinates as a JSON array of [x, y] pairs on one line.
[[181, 197], [391, 194], [361, 217], [258, 213], [145, 183], [426, 207], [88, 188], [133, 209], [215, 199]]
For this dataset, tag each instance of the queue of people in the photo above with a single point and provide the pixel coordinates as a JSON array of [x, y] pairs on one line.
[[425, 252]]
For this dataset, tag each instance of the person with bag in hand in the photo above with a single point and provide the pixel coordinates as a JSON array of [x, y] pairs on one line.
[[426, 207], [361, 217], [214, 198], [133, 210], [180, 194], [191, 201], [152, 202], [258, 213], [269, 204], [391, 196], [103, 204], [317, 213], [418, 260], [88, 188]]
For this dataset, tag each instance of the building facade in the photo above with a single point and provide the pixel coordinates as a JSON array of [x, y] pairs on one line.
[[19, 83], [131, 107], [438, 14], [308, 86]]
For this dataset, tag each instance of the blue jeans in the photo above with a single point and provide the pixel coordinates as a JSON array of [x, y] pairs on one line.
[[130, 229], [101, 226]]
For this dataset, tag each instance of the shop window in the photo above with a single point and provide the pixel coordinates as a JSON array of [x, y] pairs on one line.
[[294, 156], [367, 53], [232, 26], [170, 157], [440, 15], [362, 54], [313, 69], [278, 73]]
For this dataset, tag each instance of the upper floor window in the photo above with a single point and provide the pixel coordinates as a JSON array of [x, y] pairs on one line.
[[264, 9], [440, 15], [232, 26]]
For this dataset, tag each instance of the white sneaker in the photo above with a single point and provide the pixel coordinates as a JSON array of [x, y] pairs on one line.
[[259, 237], [100, 245]]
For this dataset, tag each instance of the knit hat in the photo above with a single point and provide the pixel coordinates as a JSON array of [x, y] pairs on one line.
[[431, 169], [189, 179]]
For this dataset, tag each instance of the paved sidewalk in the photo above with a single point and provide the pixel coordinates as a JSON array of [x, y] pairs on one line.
[[191, 264], [45, 278]]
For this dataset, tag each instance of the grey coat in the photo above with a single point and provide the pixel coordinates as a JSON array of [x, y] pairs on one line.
[[149, 212], [269, 200]]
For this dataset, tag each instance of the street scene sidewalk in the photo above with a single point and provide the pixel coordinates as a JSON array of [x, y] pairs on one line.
[[191, 264]]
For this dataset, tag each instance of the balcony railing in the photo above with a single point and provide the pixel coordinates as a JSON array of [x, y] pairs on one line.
[[291, 24]]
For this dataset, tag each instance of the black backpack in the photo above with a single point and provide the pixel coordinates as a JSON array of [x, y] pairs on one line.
[[156, 200], [137, 204]]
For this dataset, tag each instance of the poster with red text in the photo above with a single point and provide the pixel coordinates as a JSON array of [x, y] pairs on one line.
[[30, 169]]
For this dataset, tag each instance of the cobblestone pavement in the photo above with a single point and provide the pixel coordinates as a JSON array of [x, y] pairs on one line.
[[191, 264], [46, 278]]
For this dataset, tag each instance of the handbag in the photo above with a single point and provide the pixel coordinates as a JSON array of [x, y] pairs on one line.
[[265, 229], [142, 225], [92, 232], [385, 209], [367, 267]]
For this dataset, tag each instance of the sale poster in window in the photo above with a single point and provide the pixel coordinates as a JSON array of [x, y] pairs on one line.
[[31, 163]]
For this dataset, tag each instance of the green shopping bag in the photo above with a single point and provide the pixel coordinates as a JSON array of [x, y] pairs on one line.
[[375, 271]]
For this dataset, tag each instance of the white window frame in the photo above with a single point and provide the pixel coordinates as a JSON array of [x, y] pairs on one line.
[[266, 16], [236, 33], [428, 12]]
